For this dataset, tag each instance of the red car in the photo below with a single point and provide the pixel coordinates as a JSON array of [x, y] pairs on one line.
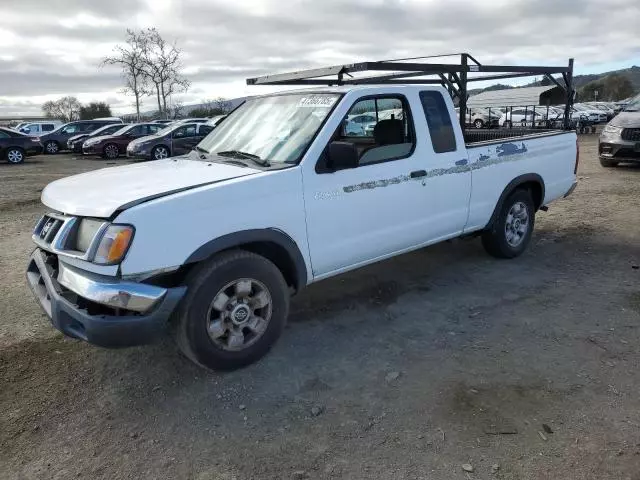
[[112, 146]]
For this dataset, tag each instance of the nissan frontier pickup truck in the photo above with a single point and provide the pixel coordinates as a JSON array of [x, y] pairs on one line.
[[211, 245]]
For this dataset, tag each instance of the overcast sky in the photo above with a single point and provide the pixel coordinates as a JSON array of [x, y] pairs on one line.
[[53, 48]]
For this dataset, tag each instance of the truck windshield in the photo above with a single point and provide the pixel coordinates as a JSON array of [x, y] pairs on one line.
[[274, 129]]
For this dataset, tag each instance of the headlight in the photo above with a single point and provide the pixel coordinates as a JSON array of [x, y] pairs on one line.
[[114, 244], [610, 129], [90, 142]]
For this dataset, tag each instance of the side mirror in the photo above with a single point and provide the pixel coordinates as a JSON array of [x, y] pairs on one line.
[[342, 155]]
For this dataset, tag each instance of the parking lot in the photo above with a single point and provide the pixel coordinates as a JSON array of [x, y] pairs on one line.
[[406, 369]]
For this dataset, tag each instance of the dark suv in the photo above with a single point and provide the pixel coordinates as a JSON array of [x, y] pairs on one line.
[[114, 145], [620, 139], [174, 140], [57, 140]]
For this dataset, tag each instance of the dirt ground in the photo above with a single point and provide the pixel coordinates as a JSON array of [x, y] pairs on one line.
[[407, 369]]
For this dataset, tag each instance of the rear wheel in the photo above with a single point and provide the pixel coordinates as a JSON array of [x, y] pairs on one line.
[[478, 123], [160, 152], [111, 151], [608, 163], [235, 309], [51, 147], [511, 232], [15, 155]]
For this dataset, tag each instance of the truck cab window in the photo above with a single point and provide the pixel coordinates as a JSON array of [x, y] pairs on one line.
[[443, 137], [380, 127]]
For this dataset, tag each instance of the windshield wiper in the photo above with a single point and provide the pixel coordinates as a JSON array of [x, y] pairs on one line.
[[244, 155], [200, 149]]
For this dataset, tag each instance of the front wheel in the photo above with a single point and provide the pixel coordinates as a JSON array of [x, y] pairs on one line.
[[51, 147], [234, 311], [478, 123], [111, 151], [15, 155], [160, 152], [511, 232]]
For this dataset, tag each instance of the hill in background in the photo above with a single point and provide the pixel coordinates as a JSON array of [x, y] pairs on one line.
[[627, 85]]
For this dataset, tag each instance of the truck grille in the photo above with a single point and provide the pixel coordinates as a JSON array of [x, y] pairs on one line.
[[631, 134], [71, 236], [47, 228]]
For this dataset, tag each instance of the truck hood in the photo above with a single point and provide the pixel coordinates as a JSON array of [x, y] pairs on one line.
[[626, 120], [103, 192]]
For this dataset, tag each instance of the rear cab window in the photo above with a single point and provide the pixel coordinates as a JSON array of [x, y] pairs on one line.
[[443, 136]]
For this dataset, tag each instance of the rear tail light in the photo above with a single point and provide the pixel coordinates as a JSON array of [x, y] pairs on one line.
[[575, 169]]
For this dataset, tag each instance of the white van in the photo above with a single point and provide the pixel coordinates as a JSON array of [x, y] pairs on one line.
[[36, 129]]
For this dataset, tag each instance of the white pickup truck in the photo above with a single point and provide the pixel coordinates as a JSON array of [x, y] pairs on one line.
[[213, 243]]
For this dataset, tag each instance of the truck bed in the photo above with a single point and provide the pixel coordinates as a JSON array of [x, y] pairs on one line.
[[474, 137]]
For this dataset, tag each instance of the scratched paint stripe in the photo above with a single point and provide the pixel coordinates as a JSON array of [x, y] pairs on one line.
[[436, 172]]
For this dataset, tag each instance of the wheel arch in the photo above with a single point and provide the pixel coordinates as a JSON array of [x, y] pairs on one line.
[[273, 244], [528, 181]]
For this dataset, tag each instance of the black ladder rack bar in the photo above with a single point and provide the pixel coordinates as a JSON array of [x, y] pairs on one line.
[[453, 76]]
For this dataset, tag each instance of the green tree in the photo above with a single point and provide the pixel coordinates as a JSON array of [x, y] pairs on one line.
[[94, 110], [610, 88]]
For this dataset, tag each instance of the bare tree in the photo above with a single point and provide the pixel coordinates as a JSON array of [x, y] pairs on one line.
[[175, 111], [66, 109], [162, 66], [130, 57], [222, 105]]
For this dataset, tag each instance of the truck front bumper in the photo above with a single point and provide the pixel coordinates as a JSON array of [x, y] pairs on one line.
[[97, 309]]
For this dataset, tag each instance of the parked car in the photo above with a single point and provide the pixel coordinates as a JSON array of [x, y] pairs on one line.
[[16, 146], [174, 140], [620, 139], [215, 120], [276, 198], [594, 115], [481, 117], [163, 122], [57, 140], [114, 145], [521, 116], [36, 129], [192, 120], [356, 125], [75, 143]]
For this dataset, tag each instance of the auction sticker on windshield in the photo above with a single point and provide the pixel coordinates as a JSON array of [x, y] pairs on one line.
[[317, 101]]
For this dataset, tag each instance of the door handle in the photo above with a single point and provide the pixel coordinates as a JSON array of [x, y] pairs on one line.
[[418, 174], [464, 161]]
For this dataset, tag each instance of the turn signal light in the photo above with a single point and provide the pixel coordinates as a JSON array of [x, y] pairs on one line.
[[114, 244]]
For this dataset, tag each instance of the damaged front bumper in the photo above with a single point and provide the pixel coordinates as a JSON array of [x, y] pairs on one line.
[[97, 309]]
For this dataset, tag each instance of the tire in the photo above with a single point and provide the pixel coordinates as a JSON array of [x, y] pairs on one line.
[[217, 307], [478, 124], [160, 152], [51, 147], [608, 163], [500, 240], [111, 151], [15, 155]]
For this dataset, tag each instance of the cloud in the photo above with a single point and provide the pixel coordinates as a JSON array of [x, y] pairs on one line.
[[225, 42]]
